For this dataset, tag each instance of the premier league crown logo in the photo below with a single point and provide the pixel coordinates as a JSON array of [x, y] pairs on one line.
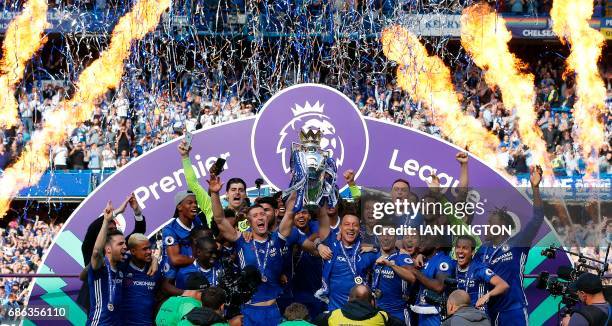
[[311, 118], [308, 118]]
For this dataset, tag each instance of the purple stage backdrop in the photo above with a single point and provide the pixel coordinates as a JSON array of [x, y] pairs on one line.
[[380, 152]]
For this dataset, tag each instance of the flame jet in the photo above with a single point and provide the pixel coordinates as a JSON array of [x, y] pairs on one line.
[[102, 75], [485, 37], [23, 38], [570, 20], [428, 80]]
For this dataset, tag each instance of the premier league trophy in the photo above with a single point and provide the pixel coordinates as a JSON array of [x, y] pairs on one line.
[[313, 172]]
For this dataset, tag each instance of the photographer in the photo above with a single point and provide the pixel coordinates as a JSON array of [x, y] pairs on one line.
[[462, 313], [211, 313], [596, 311], [359, 310], [175, 308]]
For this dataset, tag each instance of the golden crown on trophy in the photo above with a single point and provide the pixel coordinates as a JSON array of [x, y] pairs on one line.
[[311, 136]]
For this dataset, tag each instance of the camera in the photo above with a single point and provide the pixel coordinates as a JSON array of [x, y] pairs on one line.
[[556, 287], [435, 299], [549, 253], [239, 285], [439, 300]]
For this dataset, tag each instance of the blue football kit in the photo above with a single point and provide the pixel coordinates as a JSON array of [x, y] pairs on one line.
[[212, 274], [138, 294], [105, 294], [392, 287], [475, 279], [347, 268], [439, 263], [267, 257], [176, 233], [306, 271], [507, 260]]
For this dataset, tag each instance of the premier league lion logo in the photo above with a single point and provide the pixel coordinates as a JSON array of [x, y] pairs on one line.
[[310, 117], [344, 134]]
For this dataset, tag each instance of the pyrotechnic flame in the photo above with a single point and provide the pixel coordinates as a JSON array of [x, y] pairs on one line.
[[571, 22], [102, 75], [428, 80], [485, 37], [23, 38]]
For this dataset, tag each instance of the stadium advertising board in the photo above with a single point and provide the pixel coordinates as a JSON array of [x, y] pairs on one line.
[[606, 27]]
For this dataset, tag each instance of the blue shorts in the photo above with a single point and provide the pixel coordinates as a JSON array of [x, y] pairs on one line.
[[514, 317], [260, 315], [430, 320]]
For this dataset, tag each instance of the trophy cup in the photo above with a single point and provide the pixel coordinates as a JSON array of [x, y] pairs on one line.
[[314, 171]]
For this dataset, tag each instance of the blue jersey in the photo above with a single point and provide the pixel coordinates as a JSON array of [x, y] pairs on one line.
[[391, 285], [295, 238], [138, 295], [339, 273], [212, 274], [439, 263], [306, 270], [474, 280], [269, 255], [176, 233], [104, 293], [508, 261]]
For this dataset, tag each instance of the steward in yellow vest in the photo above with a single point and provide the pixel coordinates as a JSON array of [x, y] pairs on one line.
[[359, 310]]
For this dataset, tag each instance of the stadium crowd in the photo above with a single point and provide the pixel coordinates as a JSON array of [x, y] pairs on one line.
[[23, 245], [125, 126]]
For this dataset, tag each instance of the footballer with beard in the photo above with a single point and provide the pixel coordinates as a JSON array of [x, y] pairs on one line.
[[347, 266], [104, 275]]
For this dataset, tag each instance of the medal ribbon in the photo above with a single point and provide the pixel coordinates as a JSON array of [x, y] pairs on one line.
[[111, 284], [379, 269], [352, 264], [262, 270]]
